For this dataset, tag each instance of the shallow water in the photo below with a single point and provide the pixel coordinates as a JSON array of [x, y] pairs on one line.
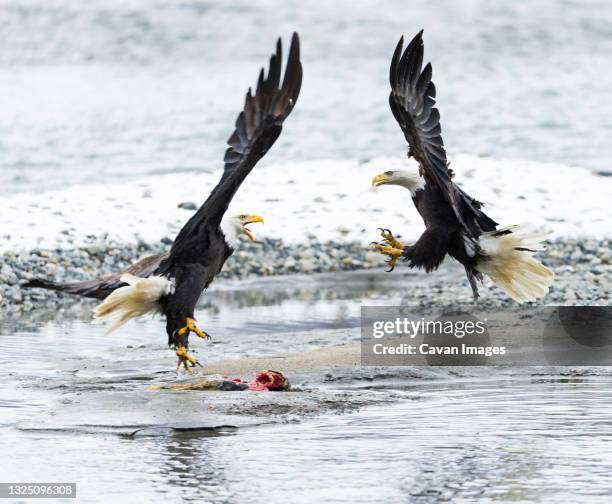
[[484, 434], [491, 440], [103, 90], [235, 313], [541, 439]]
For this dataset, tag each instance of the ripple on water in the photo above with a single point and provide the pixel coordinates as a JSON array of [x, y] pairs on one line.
[[479, 433], [498, 438]]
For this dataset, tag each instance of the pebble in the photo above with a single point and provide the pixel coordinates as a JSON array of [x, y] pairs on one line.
[[290, 264], [583, 268], [308, 265], [15, 294]]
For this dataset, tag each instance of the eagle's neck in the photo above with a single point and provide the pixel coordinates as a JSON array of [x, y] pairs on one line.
[[231, 228], [411, 180]]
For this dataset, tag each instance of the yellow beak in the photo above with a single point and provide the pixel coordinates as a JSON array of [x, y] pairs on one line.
[[250, 219], [380, 179]]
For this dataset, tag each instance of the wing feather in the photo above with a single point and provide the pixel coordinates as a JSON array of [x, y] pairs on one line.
[[257, 127], [99, 288], [259, 124], [412, 102]]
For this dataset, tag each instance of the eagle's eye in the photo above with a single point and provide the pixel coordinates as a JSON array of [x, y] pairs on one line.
[[389, 173], [242, 216]]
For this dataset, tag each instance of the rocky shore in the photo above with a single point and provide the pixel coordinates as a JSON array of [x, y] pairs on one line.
[[265, 258], [583, 268]]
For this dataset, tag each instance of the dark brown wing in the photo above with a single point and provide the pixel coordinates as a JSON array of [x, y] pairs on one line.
[[412, 101], [257, 128], [101, 287], [260, 123]]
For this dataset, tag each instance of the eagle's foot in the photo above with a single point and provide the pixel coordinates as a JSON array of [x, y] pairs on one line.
[[391, 240], [393, 253], [190, 326], [185, 359]]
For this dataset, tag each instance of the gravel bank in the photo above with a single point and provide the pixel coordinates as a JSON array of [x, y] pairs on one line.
[[266, 258], [583, 268]]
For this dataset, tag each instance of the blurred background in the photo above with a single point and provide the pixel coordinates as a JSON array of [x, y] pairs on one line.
[[103, 90]]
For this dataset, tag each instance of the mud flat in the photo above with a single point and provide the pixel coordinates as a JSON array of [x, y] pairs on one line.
[[111, 397], [305, 326], [101, 396]]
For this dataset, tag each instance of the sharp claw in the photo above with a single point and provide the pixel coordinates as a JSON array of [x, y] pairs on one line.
[[204, 335], [387, 231]]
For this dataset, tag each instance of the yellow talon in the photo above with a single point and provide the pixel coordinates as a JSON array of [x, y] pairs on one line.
[[190, 326], [391, 240], [392, 252], [185, 359], [387, 250]]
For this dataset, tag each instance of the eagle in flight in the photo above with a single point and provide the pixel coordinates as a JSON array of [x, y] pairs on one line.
[[455, 223], [171, 283]]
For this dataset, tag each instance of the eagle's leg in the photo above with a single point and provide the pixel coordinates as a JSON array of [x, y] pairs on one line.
[[185, 359], [391, 240], [190, 326], [393, 253], [180, 340]]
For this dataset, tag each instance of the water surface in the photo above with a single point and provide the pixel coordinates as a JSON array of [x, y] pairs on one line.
[[100, 91], [481, 434]]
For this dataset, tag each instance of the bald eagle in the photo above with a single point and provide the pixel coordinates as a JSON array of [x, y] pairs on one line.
[[455, 223], [171, 283]]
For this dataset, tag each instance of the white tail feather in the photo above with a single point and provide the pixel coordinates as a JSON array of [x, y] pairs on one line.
[[139, 297], [509, 263]]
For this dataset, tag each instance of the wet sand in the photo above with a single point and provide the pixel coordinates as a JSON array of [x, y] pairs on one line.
[[102, 396]]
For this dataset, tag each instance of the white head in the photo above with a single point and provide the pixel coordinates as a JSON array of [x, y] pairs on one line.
[[410, 179], [234, 225]]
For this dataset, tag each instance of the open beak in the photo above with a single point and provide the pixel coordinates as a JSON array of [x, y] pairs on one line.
[[250, 219], [380, 179]]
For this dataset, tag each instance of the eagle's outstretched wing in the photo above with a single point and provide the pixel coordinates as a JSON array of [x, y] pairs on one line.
[[257, 128], [412, 101], [261, 121]]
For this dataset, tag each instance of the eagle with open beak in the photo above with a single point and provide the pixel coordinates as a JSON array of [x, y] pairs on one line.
[[172, 283], [248, 219]]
